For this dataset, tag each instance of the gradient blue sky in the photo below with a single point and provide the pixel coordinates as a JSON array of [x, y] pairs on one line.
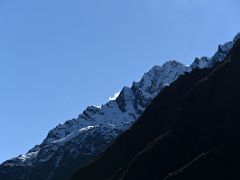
[[57, 57]]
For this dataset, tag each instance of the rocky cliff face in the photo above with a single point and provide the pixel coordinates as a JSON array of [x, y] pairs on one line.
[[78, 141], [202, 143], [190, 131]]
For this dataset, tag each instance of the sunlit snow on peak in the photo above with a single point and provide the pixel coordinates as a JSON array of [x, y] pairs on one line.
[[97, 106], [112, 98]]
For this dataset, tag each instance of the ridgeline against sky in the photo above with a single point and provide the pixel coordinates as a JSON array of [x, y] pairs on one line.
[[57, 57]]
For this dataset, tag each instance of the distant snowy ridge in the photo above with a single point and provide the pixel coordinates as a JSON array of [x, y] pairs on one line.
[[88, 135]]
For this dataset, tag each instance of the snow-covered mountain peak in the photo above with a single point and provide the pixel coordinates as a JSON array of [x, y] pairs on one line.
[[154, 80], [220, 55], [223, 50], [86, 136], [201, 63], [116, 115], [172, 63]]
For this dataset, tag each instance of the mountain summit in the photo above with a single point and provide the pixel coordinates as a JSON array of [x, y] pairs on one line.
[[76, 142], [190, 131]]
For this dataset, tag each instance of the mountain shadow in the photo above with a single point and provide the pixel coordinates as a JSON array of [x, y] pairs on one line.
[[204, 132], [190, 131]]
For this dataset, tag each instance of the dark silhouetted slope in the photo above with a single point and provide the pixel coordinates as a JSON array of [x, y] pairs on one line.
[[75, 143], [190, 131]]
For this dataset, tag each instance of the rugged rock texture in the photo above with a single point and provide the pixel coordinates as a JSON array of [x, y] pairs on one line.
[[78, 141], [195, 138]]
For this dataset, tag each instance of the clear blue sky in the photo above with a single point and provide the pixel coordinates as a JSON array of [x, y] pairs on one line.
[[57, 57]]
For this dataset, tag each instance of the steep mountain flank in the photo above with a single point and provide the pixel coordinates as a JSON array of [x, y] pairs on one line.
[[79, 141], [195, 137]]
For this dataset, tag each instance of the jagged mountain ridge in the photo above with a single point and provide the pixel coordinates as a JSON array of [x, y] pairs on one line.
[[189, 131], [97, 127], [203, 141], [84, 138]]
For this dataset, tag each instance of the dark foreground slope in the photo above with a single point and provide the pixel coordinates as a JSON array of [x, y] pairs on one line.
[[193, 127], [158, 116]]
